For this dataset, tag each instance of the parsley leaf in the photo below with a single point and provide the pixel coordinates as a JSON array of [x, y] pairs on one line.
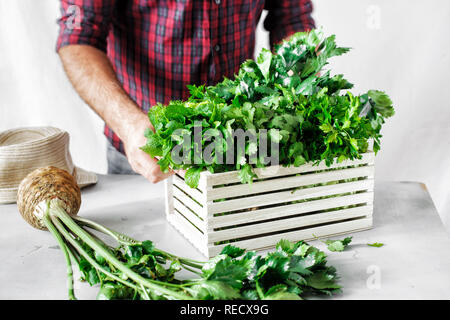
[[338, 245], [192, 176], [376, 244]]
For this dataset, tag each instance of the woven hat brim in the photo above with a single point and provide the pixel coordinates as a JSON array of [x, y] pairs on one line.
[[23, 150], [8, 195], [84, 178]]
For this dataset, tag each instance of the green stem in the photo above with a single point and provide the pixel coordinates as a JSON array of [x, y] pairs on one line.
[[92, 261], [259, 290], [192, 270], [84, 236], [145, 293], [73, 256], [126, 240], [191, 262], [187, 284], [65, 250], [98, 267], [119, 237]]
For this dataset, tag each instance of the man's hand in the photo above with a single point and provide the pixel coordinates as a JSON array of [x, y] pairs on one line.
[[140, 161]]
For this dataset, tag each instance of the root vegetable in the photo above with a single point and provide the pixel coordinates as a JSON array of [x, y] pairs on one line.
[[45, 184]]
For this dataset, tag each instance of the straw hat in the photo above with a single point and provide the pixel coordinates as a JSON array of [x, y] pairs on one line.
[[23, 150]]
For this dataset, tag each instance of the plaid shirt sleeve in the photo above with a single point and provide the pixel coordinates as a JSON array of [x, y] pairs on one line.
[[85, 22], [286, 17]]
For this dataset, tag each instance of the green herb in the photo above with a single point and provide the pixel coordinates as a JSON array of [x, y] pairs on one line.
[[376, 244], [306, 111], [338, 245], [138, 270]]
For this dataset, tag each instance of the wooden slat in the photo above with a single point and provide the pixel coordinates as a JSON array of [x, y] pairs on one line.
[[189, 215], [194, 236], [289, 223], [279, 171], [188, 202], [204, 183], [289, 210], [306, 234], [194, 193], [287, 196], [168, 188], [288, 182]]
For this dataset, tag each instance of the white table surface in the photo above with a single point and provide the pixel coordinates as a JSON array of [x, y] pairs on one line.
[[414, 263]]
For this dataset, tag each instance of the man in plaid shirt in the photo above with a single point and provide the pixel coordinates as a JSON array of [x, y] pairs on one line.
[[123, 56]]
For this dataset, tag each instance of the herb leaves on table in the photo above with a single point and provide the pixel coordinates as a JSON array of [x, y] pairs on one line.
[[338, 245], [376, 244], [289, 272]]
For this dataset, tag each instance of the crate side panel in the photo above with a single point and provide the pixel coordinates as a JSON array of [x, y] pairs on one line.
[[288, 196], [189, 232], [279, 171], [168, 188], [289, 223], [288, 210], [307, 234], [189, 202], [189, 215], [192, 192], [288, 182]]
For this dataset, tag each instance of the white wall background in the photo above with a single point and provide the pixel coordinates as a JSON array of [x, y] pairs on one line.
[[400, 46]]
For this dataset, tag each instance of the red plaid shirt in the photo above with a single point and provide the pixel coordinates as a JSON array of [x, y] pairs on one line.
[[158, 47]]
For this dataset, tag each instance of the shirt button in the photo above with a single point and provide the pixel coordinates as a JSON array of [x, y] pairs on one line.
[[217, 48], [217, 2]]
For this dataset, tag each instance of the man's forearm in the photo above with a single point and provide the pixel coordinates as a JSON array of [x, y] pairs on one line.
[[93, 77]]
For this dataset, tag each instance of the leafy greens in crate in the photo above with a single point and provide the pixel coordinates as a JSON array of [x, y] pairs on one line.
[[305, 109]]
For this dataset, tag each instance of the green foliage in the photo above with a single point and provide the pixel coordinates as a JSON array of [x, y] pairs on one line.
[[192, 177], [287, 93], [376, 244], [338, 245], [115, 291], [287, 273], [138, 270]]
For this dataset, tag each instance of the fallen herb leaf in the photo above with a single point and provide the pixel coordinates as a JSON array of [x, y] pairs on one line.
[[376, 244], [338, 245]]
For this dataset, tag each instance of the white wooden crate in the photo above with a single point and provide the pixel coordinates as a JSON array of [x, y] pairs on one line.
[[294, 203]]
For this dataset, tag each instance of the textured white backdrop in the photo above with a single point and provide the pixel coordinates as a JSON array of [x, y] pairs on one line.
[[400, 46]]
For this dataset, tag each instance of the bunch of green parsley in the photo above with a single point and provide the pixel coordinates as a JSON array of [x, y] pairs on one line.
[[308, 112], [292, 271]]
